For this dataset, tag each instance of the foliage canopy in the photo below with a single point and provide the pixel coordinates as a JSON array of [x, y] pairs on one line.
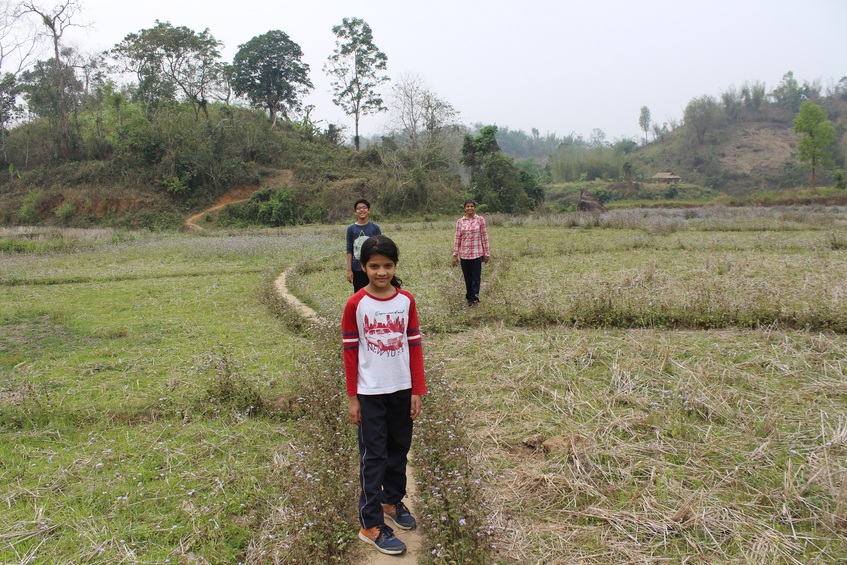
[[269, 71], [357, 66], [817, 134]]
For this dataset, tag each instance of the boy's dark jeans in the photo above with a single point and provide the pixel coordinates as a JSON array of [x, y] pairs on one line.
[[360, 280]]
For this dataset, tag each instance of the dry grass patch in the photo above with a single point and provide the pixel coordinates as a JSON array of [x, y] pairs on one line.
[[620, 446]]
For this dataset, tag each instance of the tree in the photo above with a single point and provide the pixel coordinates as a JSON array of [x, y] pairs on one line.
[[356, 64], [419, 114], [597, 138], [9, 107], [659, 131], [139, 54], [789, 94], [624, 146], [700, 115], [270, 72], [816, 135], [474, 149], [644, 121], [41, 90], [18, 40], [628, 170], [57, 21], [495, 180], [753, 95], [839, 90], [731, 103], [168, 59]]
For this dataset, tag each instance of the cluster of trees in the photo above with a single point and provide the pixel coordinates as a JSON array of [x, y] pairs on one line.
[[161, 108], [495, 180], [709, 113], [706, 116], [168, 64], [579, 160]]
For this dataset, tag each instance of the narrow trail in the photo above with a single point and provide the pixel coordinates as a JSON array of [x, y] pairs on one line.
[[238, 194], [364, 554]]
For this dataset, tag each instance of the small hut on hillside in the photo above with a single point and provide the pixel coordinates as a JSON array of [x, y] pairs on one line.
[[666, 178]]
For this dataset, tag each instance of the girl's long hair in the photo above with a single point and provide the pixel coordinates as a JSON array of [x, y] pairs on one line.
[[381, 245]]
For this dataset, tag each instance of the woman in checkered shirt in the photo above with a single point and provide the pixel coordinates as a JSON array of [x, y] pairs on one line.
[[470, 247]]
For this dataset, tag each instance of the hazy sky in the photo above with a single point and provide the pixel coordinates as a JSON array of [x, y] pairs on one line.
[[560, 66]]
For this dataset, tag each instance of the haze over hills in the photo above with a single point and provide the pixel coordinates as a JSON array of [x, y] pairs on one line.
[[743, 148], [133, 165]]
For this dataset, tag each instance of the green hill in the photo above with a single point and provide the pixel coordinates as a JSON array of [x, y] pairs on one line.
[[754, 151], [128, 167]]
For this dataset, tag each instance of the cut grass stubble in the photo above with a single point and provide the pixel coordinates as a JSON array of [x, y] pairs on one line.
[[724, 442]]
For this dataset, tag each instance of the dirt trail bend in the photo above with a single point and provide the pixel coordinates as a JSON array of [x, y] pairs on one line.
[[364, 554], [237, 194]]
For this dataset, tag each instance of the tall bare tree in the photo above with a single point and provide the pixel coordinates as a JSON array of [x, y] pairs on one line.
[[56, 22], [18, 41], [418, 113]]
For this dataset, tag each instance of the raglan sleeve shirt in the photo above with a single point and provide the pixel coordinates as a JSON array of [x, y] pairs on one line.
[[354, 231], [382, 347]]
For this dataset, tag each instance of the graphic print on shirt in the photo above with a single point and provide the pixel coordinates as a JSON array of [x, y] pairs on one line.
[[384, 333], [357, 245]]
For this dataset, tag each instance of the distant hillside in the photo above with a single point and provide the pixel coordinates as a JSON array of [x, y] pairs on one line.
[[125, 164], [755, 151], [738, 143]]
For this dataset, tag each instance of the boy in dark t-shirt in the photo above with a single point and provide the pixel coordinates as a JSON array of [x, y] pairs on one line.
[[357, 233]]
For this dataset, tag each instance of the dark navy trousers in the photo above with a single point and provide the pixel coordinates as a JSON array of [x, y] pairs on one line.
[[472, 270], [385, 437]]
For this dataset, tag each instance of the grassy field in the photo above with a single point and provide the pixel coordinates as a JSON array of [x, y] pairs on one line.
[[644, 386]]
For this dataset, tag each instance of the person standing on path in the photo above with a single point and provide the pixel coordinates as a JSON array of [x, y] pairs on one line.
[[385, 381], [357, 233], [470, 246]]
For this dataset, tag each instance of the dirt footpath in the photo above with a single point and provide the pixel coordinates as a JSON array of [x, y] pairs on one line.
[[237, 194]]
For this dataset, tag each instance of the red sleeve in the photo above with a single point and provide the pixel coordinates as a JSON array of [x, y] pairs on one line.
[[350, 341], [416, 363]]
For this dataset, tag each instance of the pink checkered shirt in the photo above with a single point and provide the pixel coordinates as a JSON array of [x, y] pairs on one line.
[[471, 239]]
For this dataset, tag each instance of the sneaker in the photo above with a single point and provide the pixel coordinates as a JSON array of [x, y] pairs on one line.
[[400, 515], [382, 537]]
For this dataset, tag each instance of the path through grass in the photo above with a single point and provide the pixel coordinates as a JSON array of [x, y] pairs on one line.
[[637, 387]]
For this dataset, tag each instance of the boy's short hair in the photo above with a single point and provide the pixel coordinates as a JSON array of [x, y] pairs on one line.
[[361, 201]]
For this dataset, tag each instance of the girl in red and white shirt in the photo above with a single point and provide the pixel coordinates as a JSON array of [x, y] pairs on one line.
[[384, 370]]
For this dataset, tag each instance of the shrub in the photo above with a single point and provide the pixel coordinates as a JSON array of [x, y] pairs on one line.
[[66, 212], [33, 206], [225, 386], [279, 210]]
